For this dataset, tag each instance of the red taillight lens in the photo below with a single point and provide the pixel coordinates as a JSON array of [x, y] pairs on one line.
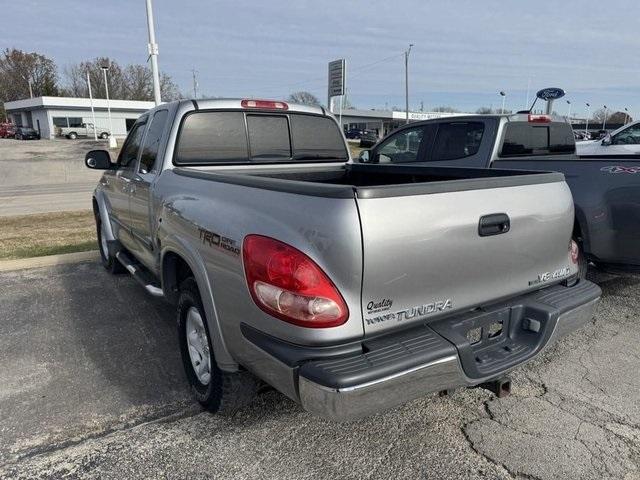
[[539, 119], [574, 252], [287, 284], [264, 104]]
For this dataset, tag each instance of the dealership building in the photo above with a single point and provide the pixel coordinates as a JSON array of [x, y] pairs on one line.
[[48, 114]]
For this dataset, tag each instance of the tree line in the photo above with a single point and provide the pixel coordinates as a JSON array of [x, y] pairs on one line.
[[25, 74]]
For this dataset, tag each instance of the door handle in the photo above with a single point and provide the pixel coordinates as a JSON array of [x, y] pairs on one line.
[[493, 224]]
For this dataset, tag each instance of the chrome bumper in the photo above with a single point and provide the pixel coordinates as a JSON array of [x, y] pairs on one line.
[[361, 399]]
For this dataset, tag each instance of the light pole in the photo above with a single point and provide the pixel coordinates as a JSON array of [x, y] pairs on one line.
[[569, 112], [586, 127], [93, 112], [112, 141], [406, 81], [153, 54], [604, 119], [504, 99], [626, 115]]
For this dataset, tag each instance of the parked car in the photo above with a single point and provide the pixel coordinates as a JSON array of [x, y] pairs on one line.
[[7, 130], [368, 138], [606, 190], [623, 141], [349, 288], [84, 130], [26, 133], [353, 134]]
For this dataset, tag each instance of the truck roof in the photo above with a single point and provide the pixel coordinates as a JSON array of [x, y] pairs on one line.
[[237, 103]]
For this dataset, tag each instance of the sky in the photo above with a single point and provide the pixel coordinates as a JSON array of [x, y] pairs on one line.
[[464, 51]]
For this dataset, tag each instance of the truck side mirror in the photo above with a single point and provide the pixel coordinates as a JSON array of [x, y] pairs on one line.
[[98, 160], [606, 141], [365, 156]]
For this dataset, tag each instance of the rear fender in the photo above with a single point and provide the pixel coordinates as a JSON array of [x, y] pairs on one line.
[[180, 247], [101, 203]]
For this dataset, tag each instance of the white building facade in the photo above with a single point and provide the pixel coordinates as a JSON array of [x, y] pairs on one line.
[[48, 114]]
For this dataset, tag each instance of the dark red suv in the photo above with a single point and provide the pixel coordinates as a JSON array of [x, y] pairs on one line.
[[7, 130]]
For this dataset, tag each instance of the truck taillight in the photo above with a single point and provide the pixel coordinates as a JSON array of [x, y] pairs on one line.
[[288, 285], [264, 104], [539, 118]]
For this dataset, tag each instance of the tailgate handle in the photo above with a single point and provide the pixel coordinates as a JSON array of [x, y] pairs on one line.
[[494, 224]]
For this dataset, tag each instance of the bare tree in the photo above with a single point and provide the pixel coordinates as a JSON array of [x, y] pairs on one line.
[[20, 69], [132, 82], [444, 108], [305, 98]]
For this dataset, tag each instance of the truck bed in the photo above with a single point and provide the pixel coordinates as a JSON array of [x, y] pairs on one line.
[[373, 181]]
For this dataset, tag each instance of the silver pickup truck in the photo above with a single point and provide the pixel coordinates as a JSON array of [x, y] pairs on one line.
[[349, 288]]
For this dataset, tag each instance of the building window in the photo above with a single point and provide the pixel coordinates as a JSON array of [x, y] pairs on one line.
[[60, 122], [75, 122]]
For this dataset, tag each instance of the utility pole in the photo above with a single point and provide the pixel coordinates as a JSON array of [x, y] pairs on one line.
[[504, 99], [93, 112], [195, 83], [569, 112], [604, 119], [30, 88], [406, 80], [586, 127], [153, 54], [626, 115], [112, 140]]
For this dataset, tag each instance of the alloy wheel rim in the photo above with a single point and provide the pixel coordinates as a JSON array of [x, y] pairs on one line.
[[198, 346]]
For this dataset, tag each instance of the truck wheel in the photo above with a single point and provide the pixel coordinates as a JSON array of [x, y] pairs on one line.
[[109, 262], [104, 135], [72, 136], [217, 391]]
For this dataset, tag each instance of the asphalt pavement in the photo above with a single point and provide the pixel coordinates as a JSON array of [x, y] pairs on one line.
[[91, 386], [40, 176]]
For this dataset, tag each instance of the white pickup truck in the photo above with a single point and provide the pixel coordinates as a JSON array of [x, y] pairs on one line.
[[84, 130]]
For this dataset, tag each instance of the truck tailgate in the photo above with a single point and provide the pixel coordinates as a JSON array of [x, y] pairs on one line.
[[424, 256]]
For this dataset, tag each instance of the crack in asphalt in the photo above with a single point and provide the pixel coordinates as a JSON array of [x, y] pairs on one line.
[[165, 417]]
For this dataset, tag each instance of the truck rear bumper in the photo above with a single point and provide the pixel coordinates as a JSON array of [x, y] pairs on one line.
[[461, 351]]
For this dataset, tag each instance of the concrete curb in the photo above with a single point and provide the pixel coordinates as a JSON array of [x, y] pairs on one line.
[[49, 260]]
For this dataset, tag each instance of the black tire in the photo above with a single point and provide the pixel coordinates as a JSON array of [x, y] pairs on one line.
[[72, 136], [104, 135], [109, 262], [583, 264], [225, 393]]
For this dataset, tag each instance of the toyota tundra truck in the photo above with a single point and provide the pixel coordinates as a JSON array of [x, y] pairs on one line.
[[349, 288]]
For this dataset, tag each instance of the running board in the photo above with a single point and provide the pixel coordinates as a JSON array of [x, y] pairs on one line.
[[139, 274]]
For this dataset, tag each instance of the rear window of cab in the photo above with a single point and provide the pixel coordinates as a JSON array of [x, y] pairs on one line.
[[526, 139], [237, 137]]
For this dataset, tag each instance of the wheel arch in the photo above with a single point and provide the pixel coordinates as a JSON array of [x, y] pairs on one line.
[[178, 261], [581, 229]]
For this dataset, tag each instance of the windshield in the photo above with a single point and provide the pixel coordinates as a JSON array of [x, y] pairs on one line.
[[218, 137]]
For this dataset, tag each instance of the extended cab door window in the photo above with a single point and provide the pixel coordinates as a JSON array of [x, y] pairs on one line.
[[129, 153], [402, 147], [152, 142], [456, 140]]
